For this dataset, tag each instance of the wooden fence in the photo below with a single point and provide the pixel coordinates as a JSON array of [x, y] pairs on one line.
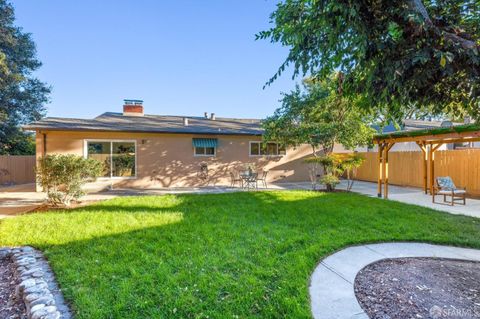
[[405, 168], [17, 170]]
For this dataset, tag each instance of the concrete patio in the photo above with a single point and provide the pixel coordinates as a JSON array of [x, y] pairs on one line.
[[408, 195]]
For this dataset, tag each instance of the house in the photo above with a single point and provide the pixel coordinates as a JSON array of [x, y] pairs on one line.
[[141, 150]]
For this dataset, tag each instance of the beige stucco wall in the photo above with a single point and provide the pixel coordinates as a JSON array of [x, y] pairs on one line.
[[167, 160]]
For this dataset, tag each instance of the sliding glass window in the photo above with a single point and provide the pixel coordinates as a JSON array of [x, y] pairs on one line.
[[118, 157]]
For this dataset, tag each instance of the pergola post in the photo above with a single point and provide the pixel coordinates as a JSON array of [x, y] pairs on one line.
[[433, 149], [387, 148], [425, 165], [380, 175]]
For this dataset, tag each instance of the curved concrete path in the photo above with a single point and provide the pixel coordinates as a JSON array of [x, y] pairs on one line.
[[331, 284]]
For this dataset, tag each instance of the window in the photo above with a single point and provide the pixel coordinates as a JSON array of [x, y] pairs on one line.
[[204, 151], [270, 149], [204, 146], [118, 157]]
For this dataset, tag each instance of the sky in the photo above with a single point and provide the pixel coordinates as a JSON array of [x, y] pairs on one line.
[[180, 57]]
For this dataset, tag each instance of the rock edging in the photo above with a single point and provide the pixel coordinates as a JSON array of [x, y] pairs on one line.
[[37, 288]]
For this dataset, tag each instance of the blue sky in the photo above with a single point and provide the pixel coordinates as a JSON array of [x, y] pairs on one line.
[[180, 57]]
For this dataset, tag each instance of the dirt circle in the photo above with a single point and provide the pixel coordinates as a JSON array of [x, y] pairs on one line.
[[420, 288]]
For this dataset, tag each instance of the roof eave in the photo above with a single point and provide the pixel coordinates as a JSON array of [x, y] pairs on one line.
[[58, 129]]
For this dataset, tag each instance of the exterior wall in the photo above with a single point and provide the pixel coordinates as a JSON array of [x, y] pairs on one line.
[[167, 160]]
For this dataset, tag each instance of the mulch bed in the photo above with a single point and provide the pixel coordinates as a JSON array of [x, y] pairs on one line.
[[10, 307], [420, 288]]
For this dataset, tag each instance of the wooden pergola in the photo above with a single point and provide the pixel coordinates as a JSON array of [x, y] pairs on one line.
[[429, 141]]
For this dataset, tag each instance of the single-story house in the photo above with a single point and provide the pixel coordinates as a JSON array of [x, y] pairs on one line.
[[141, 150]]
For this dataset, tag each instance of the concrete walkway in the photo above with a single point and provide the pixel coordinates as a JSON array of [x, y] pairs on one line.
[[408, 195], [331, 285]]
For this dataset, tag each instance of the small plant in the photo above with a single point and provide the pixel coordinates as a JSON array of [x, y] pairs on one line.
[[62, 176], [334, 166], [330, 181], [350, 165]]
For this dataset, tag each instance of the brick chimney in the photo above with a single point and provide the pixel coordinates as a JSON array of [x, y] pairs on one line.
[[132, 107]]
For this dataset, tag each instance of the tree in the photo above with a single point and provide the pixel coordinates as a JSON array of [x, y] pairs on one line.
[[319, 115], [404, 56], [22, 95]]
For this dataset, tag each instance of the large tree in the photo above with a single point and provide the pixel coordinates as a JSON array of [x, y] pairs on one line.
[[318, 114], [22, 95], [405, 56]]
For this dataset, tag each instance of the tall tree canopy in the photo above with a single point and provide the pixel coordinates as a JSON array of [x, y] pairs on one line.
[[22, 95], [319, 115], [404, 56]]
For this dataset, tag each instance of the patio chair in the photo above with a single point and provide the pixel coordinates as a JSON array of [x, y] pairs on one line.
[[446, 187], [263, 178], [234, 178]]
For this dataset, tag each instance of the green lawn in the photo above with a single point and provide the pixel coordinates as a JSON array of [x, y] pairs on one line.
[[237, 255]]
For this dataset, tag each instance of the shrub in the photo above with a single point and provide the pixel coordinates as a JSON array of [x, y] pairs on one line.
[[62, 176], [334, 166], [330, 181]]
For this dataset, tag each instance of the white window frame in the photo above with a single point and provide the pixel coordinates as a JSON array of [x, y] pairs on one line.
[[260, 147], [205, 155], [111, 141]]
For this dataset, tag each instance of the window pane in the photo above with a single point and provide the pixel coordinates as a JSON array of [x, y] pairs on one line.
[[282, 150], [101, 152], [254, 148], [123, 159], [210, 150], [263, 149], [199, 150], [271, 148]]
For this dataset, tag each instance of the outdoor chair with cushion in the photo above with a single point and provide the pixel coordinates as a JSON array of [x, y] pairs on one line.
[[446, 187], [263, 178], [234, 178]]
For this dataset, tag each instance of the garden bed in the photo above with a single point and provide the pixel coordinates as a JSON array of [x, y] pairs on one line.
[[10, 306], [420, 288]]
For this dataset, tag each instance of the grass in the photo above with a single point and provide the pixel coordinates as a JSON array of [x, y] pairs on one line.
[[237, 255]]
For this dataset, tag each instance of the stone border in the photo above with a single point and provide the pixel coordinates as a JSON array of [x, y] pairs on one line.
[[38, 288], [331, 284]]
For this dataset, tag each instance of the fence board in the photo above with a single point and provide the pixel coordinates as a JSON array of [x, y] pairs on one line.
[[17, 169], [405, 168]]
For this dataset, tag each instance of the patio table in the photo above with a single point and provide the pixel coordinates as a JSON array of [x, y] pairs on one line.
[[249, 179]]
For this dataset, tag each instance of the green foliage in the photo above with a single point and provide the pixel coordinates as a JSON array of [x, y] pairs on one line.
[[330, 181], [62, 176], [22, 95], [334, 166], [350, 164], [318, 114], [235, 255], [435, 131], [407, 57], [17, 142]]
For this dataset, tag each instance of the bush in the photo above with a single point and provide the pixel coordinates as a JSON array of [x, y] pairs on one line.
[[334, 166], [330, 181], [62, 176]]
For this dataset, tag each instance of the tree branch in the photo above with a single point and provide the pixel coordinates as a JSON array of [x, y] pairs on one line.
[[417, 5]]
